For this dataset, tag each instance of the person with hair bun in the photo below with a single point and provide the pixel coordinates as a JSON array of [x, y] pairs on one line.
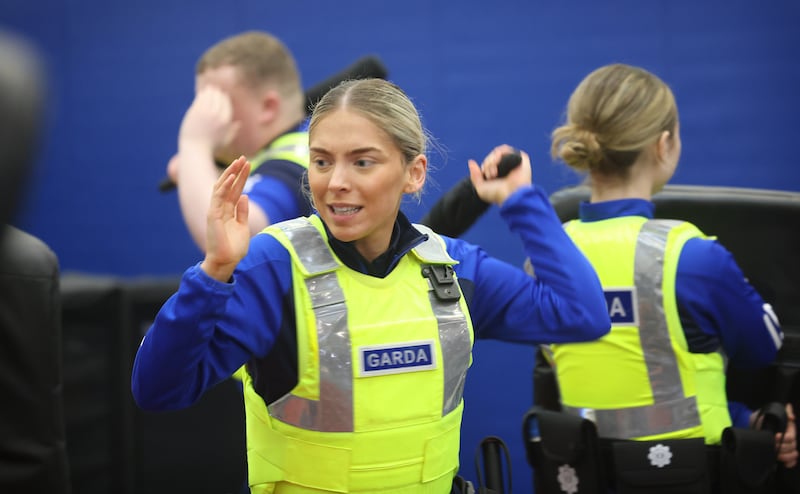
[[680, 305], [355, 325]]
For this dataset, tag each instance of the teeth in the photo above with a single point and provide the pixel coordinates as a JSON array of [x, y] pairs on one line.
[[349, 210]]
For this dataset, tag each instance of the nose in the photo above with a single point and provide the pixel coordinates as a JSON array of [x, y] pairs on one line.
[[339, 178]]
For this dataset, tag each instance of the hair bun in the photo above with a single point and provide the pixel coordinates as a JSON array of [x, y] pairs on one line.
[[579, 148]]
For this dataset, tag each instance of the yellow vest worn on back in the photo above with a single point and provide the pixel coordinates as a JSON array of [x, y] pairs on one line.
[[382, 364], [640, 381]]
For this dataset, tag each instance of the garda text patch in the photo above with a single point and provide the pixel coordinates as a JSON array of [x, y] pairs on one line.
[[622, 306], [396, 358]]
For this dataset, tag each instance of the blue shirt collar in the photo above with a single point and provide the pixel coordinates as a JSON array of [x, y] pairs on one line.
[[597, 211], [404, 238]]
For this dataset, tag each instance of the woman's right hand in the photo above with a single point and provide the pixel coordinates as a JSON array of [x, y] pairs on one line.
[[227, 233]]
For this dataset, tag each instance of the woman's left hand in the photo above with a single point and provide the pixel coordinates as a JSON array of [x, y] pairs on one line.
[[484, 177]]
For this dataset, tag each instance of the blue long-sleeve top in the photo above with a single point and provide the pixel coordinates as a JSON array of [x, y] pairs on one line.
[[208, 329], [717, 305]]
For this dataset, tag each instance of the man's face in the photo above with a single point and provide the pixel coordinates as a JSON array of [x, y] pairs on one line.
[[247, 104]]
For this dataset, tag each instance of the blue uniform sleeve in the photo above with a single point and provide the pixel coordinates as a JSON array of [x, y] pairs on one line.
[[714, 293], [562, 303], [740, 414], [208, 329], [277, 188]]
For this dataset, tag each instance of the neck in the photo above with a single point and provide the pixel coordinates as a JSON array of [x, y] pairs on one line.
[[636, 186]]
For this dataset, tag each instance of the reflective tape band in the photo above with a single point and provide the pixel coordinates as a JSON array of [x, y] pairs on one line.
[[453, 329], [628, 423], [659, 356], [334, 410]]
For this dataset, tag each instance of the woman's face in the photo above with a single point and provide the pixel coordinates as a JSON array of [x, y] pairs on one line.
[[357, 177]]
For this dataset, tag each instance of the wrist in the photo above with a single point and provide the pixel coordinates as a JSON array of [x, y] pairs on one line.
[[220, 272], [194, 147]]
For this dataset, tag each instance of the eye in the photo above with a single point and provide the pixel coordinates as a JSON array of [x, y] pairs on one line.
[[362, 163], [320, 163]]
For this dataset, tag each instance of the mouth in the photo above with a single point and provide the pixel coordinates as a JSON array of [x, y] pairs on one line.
[[345, 210]]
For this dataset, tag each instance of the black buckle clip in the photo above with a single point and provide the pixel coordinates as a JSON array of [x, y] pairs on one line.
[[442, 281]]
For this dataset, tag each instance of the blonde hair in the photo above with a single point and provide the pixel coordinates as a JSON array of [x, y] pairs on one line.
[[261, 59], [613, 114], [385, 105]]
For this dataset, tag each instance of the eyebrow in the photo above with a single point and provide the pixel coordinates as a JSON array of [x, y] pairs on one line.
[[365, 149]]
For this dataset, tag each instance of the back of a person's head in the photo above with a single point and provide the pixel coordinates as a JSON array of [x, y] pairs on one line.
[[261, 59], [385, 105], [22, 95], [613, 114]]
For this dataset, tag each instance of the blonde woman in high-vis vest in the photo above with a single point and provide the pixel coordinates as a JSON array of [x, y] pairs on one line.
[[355, 325], [679, 304]]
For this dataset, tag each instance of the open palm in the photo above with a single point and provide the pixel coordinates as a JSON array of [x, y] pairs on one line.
[[228, 233]]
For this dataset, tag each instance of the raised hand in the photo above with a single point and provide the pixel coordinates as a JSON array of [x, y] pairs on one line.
[[208, 123], [484, 177], [227, 232]]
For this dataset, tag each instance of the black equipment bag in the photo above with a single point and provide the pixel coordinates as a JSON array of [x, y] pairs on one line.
[[747, 461], [670, 466], [563, 451]]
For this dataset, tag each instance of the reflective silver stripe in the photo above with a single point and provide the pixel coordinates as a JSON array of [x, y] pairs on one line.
[[662, 364], [453, 328], [454, 338], [334, 410], [432, 250], [671, 410], [628, 423]]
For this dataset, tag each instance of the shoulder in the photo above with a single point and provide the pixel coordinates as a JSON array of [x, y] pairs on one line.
[[706, 256], [23, 253]]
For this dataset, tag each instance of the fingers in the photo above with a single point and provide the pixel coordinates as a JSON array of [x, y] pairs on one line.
[[787, 449], [240, 168], [492, 160], [242, 210], [208, 121], [172, 169], [230, 184], [475, 173]]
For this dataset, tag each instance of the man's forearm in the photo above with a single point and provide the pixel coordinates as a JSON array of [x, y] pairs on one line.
[[197, 174]]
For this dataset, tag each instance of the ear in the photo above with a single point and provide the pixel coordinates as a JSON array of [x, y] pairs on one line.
[[270, 105], [417, 173], [664, 145]]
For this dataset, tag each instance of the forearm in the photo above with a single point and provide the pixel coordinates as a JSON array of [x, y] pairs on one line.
[[196, 177], [173, 365], [575, 294], [457, 210]]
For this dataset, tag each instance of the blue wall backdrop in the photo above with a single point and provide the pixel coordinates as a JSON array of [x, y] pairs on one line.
[[482, 73]]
